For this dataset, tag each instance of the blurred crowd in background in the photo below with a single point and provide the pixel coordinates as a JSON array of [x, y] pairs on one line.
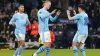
[[64, 32]]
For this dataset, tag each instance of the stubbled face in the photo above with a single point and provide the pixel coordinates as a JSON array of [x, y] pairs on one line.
[[47, 5], [21, 8]]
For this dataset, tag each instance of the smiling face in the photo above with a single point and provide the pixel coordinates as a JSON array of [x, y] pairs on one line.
[[21, 8], [47, 4]]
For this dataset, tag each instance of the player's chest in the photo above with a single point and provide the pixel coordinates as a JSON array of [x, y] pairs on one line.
[[21, 18]]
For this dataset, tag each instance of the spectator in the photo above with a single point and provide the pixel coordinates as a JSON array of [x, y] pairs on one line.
[[4, 27], [27, 33], [82, 2], [3, 37], [0, 15], [8, 33], [91, 32], [33, 13], [34, 30], [5, 17], [98, 31], [15, 3], [97, 40], [34, 3], [27, 28], [54, 28], [89, 41], [52, 36], [8, 5]]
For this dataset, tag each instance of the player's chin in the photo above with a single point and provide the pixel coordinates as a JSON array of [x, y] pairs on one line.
[[48, 8]]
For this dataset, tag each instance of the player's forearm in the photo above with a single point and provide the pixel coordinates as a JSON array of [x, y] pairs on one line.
[[28, 23], [69, 17], [53, 18], [12, 21]]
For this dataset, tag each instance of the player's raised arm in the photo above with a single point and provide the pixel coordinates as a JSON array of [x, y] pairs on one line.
[[54, 18], [12, 21], [68, 14], [74, 12], [41, 14], [76, 17]]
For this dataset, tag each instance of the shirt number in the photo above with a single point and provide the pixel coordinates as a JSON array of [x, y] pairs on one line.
[[86, 21]]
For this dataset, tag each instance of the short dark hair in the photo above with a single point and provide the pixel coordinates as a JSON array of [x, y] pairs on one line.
[[82, 6]]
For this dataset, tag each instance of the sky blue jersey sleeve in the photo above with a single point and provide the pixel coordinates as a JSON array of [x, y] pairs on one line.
[[53, 18], [41, 14], [27, 20], [76, 17], [13, 19]]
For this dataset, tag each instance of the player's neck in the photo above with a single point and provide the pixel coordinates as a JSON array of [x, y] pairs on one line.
[[21, 12], [82, 11], [44, 8]]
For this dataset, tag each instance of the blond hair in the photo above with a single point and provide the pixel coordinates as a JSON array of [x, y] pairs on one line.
[[46, 2]]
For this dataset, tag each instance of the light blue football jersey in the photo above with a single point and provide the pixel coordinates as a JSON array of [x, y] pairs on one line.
[[82, 23], [21, 20], [43, 18]]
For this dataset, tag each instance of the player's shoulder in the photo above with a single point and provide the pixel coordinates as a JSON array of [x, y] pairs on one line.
[[81, 14], [78, 15], [84, 14], [25, 14], [15, 15], [41, 10]]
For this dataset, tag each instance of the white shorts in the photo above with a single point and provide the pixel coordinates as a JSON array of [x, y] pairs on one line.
[[20, 36], [79, 38], [45, 36]]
